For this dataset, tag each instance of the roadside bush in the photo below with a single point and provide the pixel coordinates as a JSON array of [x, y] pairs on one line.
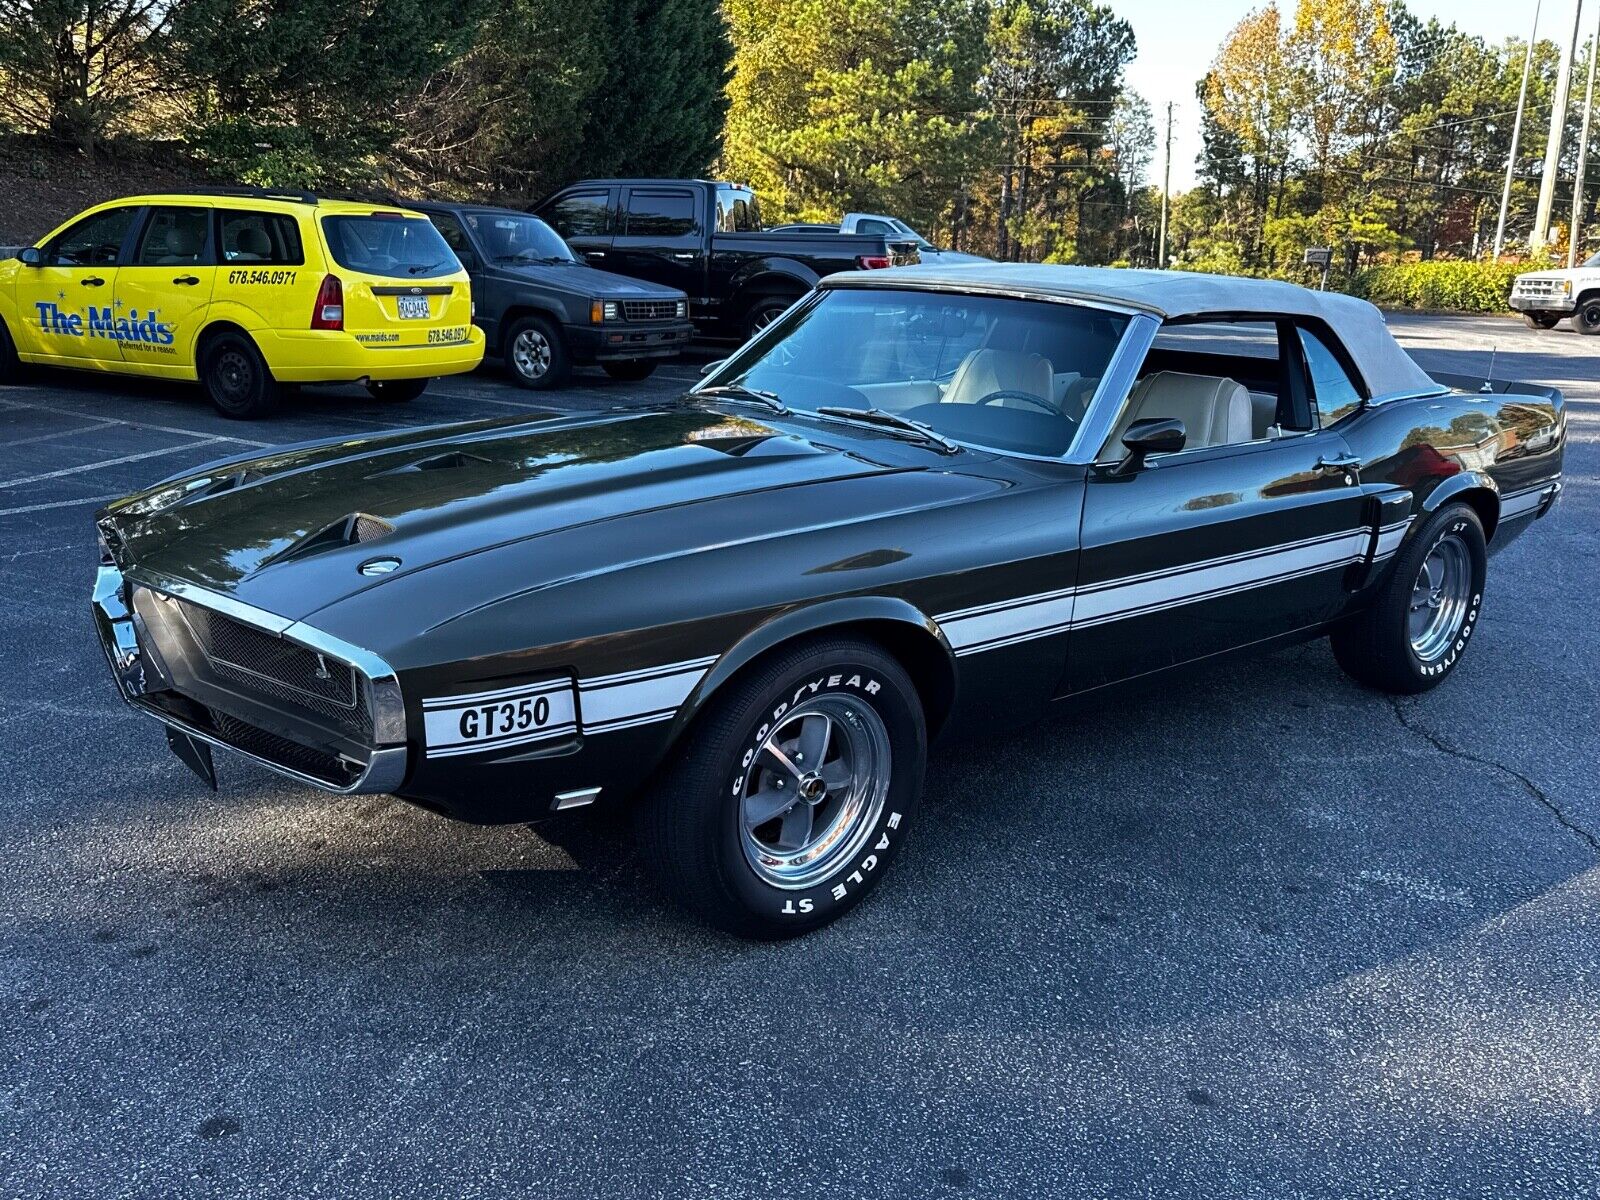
[[1458, 286]]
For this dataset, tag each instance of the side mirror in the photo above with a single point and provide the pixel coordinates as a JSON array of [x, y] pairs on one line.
[[1153, 435], [29, 256], [711, 366]]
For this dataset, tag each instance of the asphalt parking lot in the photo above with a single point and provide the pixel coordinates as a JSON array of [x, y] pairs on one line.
[[1263, 935]]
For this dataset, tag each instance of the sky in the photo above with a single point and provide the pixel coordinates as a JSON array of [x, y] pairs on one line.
[[1178, 38]]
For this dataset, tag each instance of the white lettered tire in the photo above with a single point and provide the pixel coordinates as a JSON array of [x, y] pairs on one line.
[[788, 798], [1416, 629]]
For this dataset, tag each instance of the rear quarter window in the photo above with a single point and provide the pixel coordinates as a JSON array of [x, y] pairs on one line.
[[395, 246], [259, 238]]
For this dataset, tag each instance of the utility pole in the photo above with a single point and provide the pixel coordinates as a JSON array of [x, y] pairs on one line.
[[1583, 154], [1552, 149], [1516, 135], [1166, 192]]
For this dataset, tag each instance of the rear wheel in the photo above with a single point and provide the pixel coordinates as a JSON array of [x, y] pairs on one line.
[[1417, 628], [397, 390], [1587, 318], [536, 355], [765, 311], [791, 794], [236, 378], [630, 369], [1541, 320]]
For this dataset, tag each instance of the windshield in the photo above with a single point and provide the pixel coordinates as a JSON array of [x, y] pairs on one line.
[[1011, 374], [381, 244], [509, 237]]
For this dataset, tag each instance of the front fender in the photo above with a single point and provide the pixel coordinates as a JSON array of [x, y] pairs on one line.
[[819, 618]]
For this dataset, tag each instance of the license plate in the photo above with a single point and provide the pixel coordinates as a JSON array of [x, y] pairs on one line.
[[414, 308], [484, 721]]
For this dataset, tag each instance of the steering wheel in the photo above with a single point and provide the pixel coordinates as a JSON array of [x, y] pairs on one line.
[[1024, 397]]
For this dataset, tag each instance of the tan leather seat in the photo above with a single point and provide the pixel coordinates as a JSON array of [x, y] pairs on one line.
[[984, 372], [1214, 411]]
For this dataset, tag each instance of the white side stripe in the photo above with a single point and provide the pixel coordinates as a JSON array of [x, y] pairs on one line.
[[1023, 618], [610, 702]]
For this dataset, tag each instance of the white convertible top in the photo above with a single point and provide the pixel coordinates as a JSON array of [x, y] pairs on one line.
[[1386, 368]]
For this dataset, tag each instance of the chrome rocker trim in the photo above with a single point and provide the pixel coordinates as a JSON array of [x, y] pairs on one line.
[[385, 770]]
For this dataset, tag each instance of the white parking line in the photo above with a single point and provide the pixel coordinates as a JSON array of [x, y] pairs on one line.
[[194, 433], [110, 462], [28, 508], [60, 433]]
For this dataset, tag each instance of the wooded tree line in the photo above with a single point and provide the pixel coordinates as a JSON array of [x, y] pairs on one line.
[[1001, 126], [1353, 124]]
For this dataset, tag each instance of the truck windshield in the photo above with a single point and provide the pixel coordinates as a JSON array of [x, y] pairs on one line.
[[393, 245], [509, 237], [985, 370]]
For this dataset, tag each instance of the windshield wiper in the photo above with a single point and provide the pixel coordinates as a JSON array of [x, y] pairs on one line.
[[738, 391], [893, 421], [540, 259], [416, 270]]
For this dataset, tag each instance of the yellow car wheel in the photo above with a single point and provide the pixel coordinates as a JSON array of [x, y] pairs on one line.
[[236, 378]]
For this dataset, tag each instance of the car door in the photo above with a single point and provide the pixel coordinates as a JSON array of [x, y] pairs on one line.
[[582, 216], [1221, 545], [659, 238], [164, 287], [68, 315]]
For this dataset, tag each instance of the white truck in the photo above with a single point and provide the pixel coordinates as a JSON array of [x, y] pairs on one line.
[[1544, 297], [889, 227]]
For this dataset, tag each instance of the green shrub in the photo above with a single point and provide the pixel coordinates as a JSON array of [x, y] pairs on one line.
[[1456, 286]]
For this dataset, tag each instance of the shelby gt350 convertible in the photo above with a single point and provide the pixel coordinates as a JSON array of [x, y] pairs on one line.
[[922, 502]]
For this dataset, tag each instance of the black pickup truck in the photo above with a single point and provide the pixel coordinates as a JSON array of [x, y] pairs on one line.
[[705, 238]]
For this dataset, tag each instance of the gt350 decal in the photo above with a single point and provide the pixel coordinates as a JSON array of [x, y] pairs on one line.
[[494, 720]]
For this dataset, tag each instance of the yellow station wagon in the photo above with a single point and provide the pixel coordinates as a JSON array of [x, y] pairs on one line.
[[245, 290]]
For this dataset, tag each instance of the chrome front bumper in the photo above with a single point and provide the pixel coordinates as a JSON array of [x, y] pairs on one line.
[[119, 630]]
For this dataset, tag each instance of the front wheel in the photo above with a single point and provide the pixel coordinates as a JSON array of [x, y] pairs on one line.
[[1416, 629], [536, 356], [397, 391], [236, 378], [790, 796], [1541, 320], [630, 370], [1587, 318]]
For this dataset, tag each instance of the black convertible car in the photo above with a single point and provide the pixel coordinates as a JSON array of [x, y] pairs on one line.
[[924, 502]]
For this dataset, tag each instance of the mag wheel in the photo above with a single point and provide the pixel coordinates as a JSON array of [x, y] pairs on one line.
[[1418, 626], [792, 793], [1587, 318], [765, 311]]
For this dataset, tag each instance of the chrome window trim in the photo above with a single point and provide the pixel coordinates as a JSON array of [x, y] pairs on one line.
[[1100, 418]]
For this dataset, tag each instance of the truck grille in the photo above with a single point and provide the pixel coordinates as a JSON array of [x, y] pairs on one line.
[[649, 310], [1539, 289]]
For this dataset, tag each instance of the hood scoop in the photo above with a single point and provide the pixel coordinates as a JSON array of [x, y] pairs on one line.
[[357, 529], [450, 460]]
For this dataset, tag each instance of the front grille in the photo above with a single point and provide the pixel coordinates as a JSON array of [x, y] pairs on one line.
[[1536, 289], [649, 310], [281, 750], [210, 656]]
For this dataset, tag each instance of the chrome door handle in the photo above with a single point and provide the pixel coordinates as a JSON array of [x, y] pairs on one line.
[[687, 255], [1338, 464], [594, 253]]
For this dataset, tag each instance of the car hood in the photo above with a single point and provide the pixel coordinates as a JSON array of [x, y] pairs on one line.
[[289, 532], [587, 281]]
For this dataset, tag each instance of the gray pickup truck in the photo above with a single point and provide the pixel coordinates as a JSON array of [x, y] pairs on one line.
[[705, 238]]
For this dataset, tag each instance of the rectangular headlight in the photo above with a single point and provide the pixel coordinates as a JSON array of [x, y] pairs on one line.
[[602, 310], [683, 308]]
